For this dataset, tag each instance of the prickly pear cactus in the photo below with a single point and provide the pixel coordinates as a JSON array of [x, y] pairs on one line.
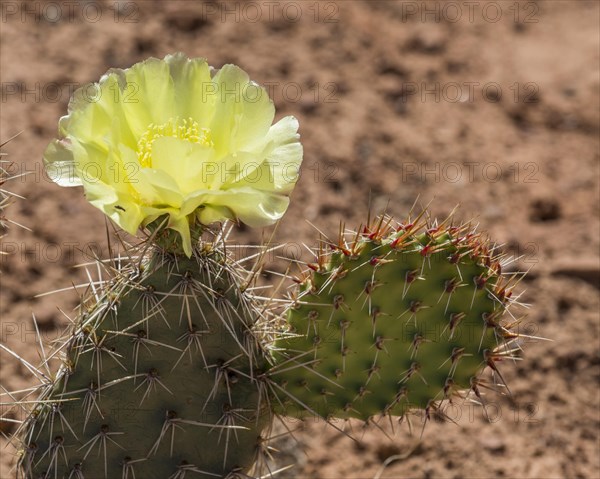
[[403, 317], [172, 365], [157, 377]]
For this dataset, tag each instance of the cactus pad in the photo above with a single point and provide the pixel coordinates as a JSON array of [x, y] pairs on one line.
[[403, 317], [157, 378]]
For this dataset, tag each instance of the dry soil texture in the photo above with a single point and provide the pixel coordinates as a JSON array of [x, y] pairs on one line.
[[493, 105]]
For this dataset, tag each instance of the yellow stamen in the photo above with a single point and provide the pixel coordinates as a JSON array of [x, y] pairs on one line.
[[186, 129]]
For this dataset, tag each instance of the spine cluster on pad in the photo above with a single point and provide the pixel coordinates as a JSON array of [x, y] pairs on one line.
[[401, 317]]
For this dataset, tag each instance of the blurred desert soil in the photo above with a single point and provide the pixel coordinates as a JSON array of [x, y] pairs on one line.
[[491, 105]]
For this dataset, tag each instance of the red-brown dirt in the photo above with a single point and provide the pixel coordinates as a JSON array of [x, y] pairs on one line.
[[493, 105]]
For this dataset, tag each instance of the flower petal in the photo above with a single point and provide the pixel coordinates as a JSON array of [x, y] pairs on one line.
[[182, 226], [192, 84], [186, 162], [94, 111], [147, 96], [281, 168], [166, 192], [60, 164], [123, 210], [252, 207], [245, 111]]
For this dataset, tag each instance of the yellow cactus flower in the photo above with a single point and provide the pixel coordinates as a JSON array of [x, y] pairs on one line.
[[176, 137]]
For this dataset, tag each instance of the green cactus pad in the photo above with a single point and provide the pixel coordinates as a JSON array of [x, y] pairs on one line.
[[399, 319], [157, 378]]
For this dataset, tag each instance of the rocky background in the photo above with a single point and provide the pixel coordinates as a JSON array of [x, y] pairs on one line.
[[493, 105]]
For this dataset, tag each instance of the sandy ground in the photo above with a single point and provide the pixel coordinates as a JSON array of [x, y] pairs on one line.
[[493, 105]]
